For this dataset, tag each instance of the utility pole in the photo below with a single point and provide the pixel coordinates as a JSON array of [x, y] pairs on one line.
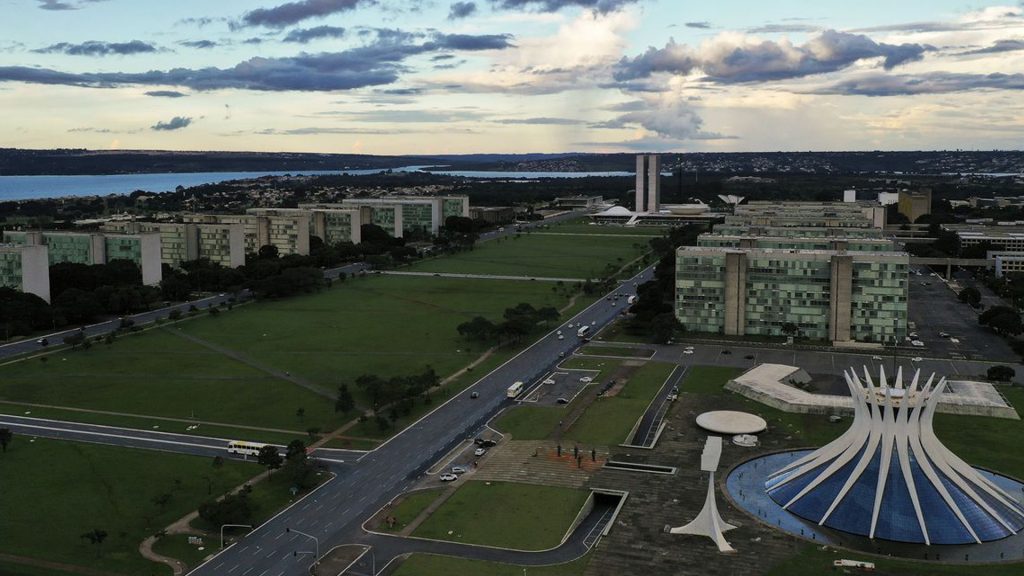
[[316, 542]]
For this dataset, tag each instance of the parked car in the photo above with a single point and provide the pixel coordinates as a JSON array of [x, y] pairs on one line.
[[586, 379], [480, 451], [562, 401], [447, 477], [486, 443], [876, 357], [458, 470], [916, 359], [688, 351]]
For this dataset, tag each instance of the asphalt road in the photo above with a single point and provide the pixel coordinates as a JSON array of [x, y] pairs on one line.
[[334, 512]]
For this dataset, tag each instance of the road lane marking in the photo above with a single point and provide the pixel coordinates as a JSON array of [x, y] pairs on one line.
[[120, 436]]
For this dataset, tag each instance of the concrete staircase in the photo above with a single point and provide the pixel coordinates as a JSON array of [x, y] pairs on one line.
[[537, 462]]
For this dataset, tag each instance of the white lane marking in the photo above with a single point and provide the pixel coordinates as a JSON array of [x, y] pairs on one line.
[[249, 570], [279, 535], [121, 436], [235, 567], [271, 554]]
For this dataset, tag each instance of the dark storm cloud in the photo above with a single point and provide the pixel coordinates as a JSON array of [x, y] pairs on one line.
[[1010, 45], [176, 123], [305, 35], [929, 83], [295, 12], [556, 5], [97, 48], [440, 57], [401, 91], [698, 25], [166, 94], [374, 64], [61, 5], [767, 60], [461, 10], [200, 44]]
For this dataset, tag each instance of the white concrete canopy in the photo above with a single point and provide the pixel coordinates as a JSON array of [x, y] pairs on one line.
[[731, 422]]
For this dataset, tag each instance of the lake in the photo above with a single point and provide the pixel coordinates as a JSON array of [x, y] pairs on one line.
[[28, 187]]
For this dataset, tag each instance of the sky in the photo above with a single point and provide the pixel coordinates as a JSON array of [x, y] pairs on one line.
[[511, 76]]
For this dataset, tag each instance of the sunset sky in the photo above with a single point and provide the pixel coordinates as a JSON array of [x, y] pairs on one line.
[[406, 77]]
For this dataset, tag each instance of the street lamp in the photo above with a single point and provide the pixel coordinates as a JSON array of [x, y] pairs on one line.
[[223, 526], [316, 542]]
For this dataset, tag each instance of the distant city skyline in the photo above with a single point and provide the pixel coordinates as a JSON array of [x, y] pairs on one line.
[[511, 76]]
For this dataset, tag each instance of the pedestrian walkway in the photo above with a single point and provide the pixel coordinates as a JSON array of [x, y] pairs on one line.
[[481, 276]]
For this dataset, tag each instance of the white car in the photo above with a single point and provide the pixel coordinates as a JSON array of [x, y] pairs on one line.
[[586, 379], [560, 337], [876, 357], [954, 340], [917, 343], [480, 451], [916, 359], [568, 325], [549, 381], [458, 470], [688, 351], [559, 332], [449, 477]]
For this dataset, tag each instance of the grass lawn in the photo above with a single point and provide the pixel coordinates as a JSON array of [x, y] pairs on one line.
[[383, 325], [266, 499], [65, 489], [708, 379], [430, 565], [380, 325], [525, 422], [540, 255], [520, 516], [812, 561], [616, 333], [578, 227], [160, 374], [616, 351], [14, 569], [988, 442], [410, 507], [608, 421]]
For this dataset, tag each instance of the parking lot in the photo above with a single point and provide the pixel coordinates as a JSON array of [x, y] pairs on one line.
[[934, 308], [562, 384]]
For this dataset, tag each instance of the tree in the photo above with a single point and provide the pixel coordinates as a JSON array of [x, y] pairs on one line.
[[970, 295], [5, 438], [663, 327], [268, 252], [312, 431], [269, 456], [96, 537], [790, 329], [344, 403], [75, 340], [300, 413], [1003, 319], [231, 509], [1001, 373]]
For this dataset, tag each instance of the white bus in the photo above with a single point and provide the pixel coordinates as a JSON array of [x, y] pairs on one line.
[[244, 448], [514, 390], [583, 331]]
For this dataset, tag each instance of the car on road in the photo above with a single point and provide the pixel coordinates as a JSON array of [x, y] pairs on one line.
[[876, 357], [943, 334], [447, 477], [474, 395], [560, 337], [954, 340], [688, 351], [586, 379], [458, 470], [917, 343], [485, 442], [562, 401], [480, 451], [749, 357], [916, 359]]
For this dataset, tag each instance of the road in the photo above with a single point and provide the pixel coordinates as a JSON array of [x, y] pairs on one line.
[[334, 512]]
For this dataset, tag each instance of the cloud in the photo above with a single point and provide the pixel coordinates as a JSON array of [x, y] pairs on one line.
[[1006, 45], [304, 35], [199, 44], [928, 83], [61, 5], [541, 121], [295, 12], [370, 65], [176, 123], [198, 22], [698, 25], [461, 10], [315, 130], [737, 58], [784, 29], [602, 6], [97, 48], [166, 94]]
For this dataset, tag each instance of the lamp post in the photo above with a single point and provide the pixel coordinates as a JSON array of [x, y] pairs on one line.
[[316, 542], [223, 526]]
